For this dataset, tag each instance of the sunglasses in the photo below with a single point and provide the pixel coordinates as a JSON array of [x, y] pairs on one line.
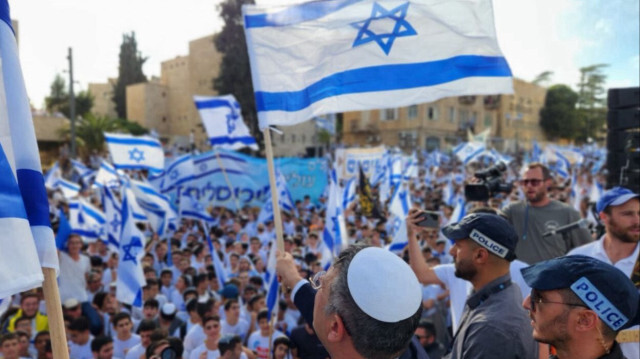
[[536, 298], [534, 182]]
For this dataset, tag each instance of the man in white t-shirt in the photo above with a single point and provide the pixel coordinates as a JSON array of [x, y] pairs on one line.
[[145, 329], [80, 339], [74, 266], [259, 340], [619, 210], [232, 323], [124, 339]]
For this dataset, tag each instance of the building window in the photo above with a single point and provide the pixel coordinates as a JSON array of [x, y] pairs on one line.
[[304, 138], [432, 143], [488, 120], [412, 112], [452, 114], [388, 114], [293, 138], [464, 116], [432, 113]]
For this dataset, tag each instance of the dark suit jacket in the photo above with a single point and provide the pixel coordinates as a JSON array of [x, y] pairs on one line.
[[306, 297]]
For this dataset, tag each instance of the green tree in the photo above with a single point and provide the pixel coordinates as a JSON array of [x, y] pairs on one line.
[[58, 99], [543, 78], [235, 74], [559, 117], [129, 72], [591, 100]]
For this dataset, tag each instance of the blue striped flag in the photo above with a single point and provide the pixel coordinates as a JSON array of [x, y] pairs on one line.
[[135, 152], [158, 207], [333, 56], [27, 242], [107, 175], [113, 218], [223, 121], [130, 276], [69, 189], [86, 220]]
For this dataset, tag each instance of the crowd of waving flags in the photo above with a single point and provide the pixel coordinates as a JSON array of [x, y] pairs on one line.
[[293, 82]]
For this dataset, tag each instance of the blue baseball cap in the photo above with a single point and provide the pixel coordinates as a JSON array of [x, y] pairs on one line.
[[229, 291], [602, 287], [615, 197], [488, 230]]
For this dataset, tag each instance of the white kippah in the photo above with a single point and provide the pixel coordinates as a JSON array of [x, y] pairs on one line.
[[383, 285]]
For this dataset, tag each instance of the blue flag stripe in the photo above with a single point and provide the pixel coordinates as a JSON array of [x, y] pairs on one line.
[[213, 103], [132, 141], [10, 198], [296, 14], [384, 78], [226, 140], [34, 197]]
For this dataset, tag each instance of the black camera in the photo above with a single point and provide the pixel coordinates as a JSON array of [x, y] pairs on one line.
[[491, 184]]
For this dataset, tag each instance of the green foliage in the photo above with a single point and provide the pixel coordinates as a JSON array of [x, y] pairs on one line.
[[129, 72], [131, 127], [591, 101], [558, 117], [58, 99], [235, 73]]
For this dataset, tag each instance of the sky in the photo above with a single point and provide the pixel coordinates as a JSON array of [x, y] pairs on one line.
[[535, 36]]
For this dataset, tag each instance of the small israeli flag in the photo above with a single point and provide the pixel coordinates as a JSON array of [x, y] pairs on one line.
[[135, 152], [69, 189], [223, 121], [86, 220], [130, 276]]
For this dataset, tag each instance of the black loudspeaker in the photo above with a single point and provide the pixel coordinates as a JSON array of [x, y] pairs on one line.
[[623, 119], [623, 138], [623, 98]]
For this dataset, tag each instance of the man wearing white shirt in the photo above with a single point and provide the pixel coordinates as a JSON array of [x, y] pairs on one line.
[[124, 338], [232, 323], [619, 210], [145, 329], [259, 340], [80, 339]]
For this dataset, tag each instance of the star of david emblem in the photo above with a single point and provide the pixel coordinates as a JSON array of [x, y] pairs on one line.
[[129, 253], [174, 174], [379, 18], [115, 223], [231, 121], [136, 155]]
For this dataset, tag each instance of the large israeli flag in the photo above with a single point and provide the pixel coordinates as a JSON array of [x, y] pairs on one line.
[[347, 55], [130, 276], [27, 242], [135, 152], [223, 121]]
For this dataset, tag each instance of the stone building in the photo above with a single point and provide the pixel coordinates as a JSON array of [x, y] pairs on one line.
[[513, 121]]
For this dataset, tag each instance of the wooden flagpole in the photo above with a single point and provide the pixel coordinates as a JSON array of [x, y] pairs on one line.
[[54, 313], [277, 217], [226, 179]]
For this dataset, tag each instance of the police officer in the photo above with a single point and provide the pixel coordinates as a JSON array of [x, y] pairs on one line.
[[578, 304], [493, 324]]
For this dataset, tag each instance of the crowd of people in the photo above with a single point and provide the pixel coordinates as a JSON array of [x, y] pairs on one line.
[[467, 308]]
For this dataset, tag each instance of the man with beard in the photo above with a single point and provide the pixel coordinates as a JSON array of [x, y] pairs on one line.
[[579, 304], [539, 214], [493, 324], [619, 210]]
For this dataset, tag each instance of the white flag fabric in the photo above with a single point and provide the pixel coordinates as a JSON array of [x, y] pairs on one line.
[[284, 200], [135, 152], [333, 56], [130, 276], [69, 189], [177, 174], [223, 121], [468, 151], [158, 208], [26, 240], [113, 219], [107, 175], [86, 220], [52, 176], [191, 208]]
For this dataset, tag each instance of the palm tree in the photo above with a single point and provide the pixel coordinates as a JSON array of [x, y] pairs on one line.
[[90, 132]]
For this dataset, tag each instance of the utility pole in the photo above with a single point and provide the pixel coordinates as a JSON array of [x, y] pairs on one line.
[[72, 106]]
